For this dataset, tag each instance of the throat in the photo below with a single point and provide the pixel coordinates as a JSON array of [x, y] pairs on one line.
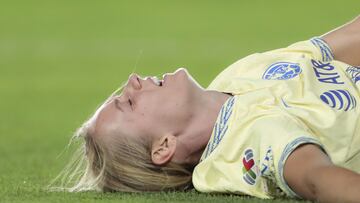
[[195, 137]]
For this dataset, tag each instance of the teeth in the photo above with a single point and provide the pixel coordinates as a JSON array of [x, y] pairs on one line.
[[156, 81]]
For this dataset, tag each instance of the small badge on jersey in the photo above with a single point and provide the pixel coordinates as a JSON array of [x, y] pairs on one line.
[[282, 71], [339, 99], [250, 170]]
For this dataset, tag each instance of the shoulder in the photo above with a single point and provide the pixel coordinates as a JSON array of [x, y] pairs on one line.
[[255, 65]]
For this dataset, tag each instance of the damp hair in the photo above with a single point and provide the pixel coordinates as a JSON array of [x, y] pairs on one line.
[[123, 164]]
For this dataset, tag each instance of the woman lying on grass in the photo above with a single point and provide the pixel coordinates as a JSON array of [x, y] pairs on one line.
[[279, 123]]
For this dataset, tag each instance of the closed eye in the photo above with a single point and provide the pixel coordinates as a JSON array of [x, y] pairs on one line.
[[131, 103]]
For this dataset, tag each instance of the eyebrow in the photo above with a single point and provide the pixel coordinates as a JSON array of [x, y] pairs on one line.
[[111, 98], [117, 104]]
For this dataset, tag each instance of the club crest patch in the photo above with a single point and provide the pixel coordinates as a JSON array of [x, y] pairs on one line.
[[339, 99], [250, 170], [282, 71]]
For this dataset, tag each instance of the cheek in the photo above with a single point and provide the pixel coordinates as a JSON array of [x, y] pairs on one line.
[[150, 103], [152, 115], [158, 107], [137, 127], [145, 113]]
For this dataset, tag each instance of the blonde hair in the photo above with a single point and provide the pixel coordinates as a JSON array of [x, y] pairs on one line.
[[122, 164]]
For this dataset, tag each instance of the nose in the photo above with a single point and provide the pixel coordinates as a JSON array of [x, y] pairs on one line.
[[134, 81]]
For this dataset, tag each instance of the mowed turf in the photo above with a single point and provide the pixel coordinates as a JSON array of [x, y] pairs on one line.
[[60, 59]]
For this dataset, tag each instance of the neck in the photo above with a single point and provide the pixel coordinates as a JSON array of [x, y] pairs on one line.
[[193, 140]]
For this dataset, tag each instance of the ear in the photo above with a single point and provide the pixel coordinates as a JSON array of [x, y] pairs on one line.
[[163, 149]]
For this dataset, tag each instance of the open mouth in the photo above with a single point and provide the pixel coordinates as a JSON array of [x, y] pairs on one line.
[[157, 81]]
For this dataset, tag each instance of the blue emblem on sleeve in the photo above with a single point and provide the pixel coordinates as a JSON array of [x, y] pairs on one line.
[[282, 71], [354, 73], [325, 50], [340, 99]]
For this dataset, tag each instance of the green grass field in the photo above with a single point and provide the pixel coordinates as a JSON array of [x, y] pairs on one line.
[[60, 59]]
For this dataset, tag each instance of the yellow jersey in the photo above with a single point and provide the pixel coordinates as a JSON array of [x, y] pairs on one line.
[[281, 99]]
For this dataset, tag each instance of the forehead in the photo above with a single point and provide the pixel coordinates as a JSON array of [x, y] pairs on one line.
[[106, 119]]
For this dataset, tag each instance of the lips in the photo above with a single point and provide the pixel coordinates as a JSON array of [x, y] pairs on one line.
[[156, 81]]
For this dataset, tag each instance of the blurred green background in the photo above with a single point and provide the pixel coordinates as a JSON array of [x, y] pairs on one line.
[[60, 59]]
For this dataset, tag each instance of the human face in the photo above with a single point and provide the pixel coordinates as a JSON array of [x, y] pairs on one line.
[[149, 107]]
